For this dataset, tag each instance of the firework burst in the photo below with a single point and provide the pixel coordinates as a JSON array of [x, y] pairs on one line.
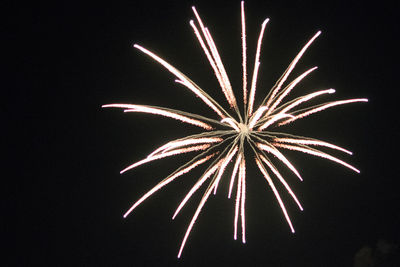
[[223, 140]]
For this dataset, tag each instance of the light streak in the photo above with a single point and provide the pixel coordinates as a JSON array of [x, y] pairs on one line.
[[282, 180], [234, 173], [311, 142], [216, 59], [290, 68], [197, 186], [256, 68], [237, 201], [164, 155], [287, 90], [182, 78], [271, 184], [186, 142], [273, 119], [223, 166], [256, 116], [323, 107], [232, 123], [280, 156], [167, 181], [305, 98], [243, 199], [318, 154], [244, 56], [160, 111]]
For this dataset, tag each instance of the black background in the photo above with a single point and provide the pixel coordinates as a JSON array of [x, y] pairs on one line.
[[69, 58]]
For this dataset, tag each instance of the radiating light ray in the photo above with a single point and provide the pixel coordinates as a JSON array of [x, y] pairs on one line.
[[243, 199], [286, 107], [323, 107], [223, 166], [225, 83], [234, 173], [197, 185], [167, 181], [213, 62], [290, 68], [198, 19], [157, 111], [176, 111], [186, 142], [189, 84], [220, 65], [281, 179], [254, 119], [311, 142], [287, 90], [232, 123], [164, 155], [280, 156], [253, 88], [271, 184], [317, 153], [252, 126], [256, 68], [210, 58], [244, 56], [274, 119], [305, 98], [205, 136], [232, 101], [196, 214], [237, 201]]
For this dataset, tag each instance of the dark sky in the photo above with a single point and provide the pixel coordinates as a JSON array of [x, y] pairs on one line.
[[68, 58]]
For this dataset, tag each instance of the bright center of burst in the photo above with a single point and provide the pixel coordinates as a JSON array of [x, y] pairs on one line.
[[244, 129]]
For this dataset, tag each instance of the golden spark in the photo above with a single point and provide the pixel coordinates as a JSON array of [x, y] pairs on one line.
[[225, 137]]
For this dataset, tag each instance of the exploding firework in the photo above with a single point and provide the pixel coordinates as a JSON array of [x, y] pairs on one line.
[[224, 139]]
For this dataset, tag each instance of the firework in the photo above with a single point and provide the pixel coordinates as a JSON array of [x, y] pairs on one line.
[[225, 138]]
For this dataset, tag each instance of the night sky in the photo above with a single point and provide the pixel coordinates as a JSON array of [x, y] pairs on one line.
[[68, 58]]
